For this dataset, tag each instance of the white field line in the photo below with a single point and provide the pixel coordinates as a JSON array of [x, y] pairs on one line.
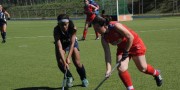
[[30, 37], [34, 37], [159, 30]]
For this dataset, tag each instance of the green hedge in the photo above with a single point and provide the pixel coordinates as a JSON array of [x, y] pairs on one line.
[[46, 10]]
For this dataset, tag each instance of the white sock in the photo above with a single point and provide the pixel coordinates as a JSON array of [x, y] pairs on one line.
[[130, 88]]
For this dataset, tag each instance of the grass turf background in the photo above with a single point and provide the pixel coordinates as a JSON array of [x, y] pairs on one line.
[[27, 60]]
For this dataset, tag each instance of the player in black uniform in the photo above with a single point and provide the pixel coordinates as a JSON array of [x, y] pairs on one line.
[[66, 42], [3, 23]]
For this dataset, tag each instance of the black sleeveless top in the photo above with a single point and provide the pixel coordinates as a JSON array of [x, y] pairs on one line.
[[65, 37], [2, 17]]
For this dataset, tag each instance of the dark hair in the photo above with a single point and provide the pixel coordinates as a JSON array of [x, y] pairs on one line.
[[103, 11], [101, 20], [91, 1], [71, 24], [62, 16], [85, 1]]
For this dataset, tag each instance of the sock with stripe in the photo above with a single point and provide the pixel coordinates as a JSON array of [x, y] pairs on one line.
[[85, 33], [151, 71], [126, 79]]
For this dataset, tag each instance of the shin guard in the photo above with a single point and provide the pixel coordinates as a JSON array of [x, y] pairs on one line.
[[81, 71], [126, 78], [85, 33], [151, 71], [63, 71]]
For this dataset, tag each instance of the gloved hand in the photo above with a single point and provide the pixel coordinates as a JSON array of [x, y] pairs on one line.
[[125, 55]]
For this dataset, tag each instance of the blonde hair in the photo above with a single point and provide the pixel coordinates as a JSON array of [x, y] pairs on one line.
[[2, 9]]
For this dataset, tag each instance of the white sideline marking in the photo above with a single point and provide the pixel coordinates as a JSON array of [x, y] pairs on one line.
[[23, 46], [159, 30], [30, 37], [172, 29]]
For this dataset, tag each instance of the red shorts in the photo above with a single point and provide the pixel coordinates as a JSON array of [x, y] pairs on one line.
[[137, 49], [90, 18]]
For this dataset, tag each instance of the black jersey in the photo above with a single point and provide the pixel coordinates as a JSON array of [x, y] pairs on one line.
[[63, 36], [2, 16]]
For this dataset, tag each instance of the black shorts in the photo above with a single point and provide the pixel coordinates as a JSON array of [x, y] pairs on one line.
[[75, 46], [2, 22]]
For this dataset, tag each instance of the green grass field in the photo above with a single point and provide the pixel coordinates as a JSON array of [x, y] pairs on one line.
[[27, 60]]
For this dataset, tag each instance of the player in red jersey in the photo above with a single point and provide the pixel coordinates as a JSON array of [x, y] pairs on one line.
[[90, 11], [129, 45]]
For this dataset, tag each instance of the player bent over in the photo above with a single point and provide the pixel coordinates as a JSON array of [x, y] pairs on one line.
[[66, 42], [129, 45]]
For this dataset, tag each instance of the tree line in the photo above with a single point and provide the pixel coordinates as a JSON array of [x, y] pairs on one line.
[[35, 2], [30, 2]]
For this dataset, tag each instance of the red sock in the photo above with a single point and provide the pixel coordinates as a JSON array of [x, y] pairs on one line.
[[85, 33], [126, 79], [151, 71]]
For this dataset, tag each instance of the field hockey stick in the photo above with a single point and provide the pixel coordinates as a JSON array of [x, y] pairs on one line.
[[117, 64], [64, 80]]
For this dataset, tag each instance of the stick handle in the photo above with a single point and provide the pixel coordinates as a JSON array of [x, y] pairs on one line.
[[117, 64], [64, 80], [101, 83]]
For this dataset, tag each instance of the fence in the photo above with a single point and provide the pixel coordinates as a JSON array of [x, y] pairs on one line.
[[135, 8], [156, 7], [45, 13]]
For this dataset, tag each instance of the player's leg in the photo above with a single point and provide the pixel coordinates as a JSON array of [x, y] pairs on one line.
[[61, 65], [97, 35], [79, 67], [3, 32], [124, 74], [142, 65], [1, 28], [85, 30]]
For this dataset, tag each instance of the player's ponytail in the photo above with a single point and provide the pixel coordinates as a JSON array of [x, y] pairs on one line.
[[101, 21], [108, 19], [72, 27]]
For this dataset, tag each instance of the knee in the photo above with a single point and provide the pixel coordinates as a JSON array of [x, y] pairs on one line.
[[142, 69], [78, 63], [122, 68]]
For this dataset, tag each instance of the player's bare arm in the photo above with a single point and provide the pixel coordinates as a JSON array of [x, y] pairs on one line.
[[61, 52], [73, 38], [107, 54], [8, 15], [123, 31], [94, 7]]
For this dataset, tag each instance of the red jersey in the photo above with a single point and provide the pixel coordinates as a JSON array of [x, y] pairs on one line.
[[115, 38], [89, 11]]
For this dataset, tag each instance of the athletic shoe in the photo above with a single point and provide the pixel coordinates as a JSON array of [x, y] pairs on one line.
[[4, 41], [82, 39], [85, 83], [158, 79], [69, 81], [97, 38]]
